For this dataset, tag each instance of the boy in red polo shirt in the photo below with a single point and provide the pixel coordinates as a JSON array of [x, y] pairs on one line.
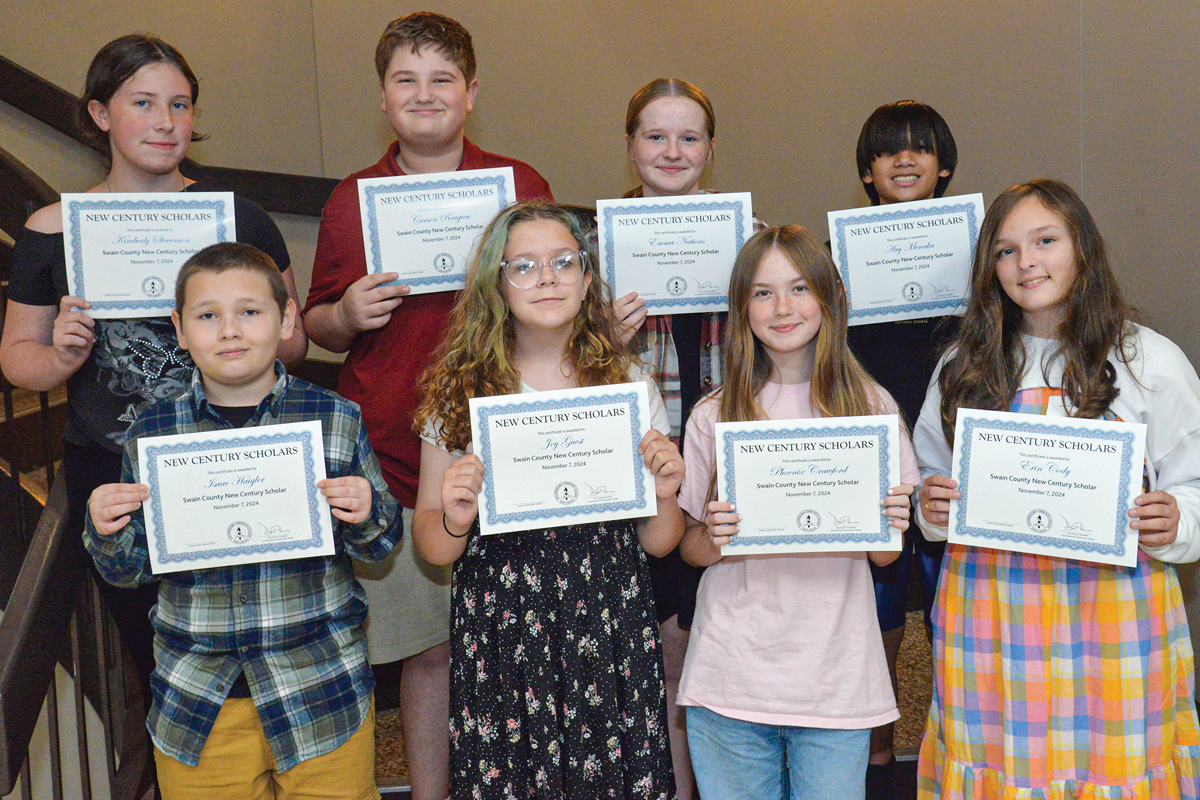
[[426, 67]]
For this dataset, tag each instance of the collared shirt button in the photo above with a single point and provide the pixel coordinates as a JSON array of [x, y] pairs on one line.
[[707, 381], [243, 598]]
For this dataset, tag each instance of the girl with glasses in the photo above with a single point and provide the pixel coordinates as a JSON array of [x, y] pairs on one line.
[[556, 684]]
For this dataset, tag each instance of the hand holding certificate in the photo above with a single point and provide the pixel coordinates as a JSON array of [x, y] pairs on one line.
[[1059, 486], [906, 260], [675, 252], [809, 485], [425, 226], [124, 250], [238, 496], [562, 457]]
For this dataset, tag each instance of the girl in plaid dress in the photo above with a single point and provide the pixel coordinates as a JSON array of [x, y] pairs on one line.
[[1056, 678]]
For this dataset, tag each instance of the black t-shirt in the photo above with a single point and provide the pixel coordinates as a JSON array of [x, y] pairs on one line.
[[135, 362], [901, 356]]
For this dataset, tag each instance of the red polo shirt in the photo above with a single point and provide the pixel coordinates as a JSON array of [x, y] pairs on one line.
[[383, 366]]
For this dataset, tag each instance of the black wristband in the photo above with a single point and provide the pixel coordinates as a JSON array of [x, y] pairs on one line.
[[447, 528]]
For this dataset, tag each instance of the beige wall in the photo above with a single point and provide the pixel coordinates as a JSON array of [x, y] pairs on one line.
[[1103, 95]]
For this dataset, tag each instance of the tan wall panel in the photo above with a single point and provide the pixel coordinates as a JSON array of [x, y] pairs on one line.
[[254, 61], [1141, 104]]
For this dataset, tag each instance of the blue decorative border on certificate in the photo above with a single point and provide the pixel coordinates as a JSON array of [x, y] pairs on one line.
[[166, 304], [485, 452], [877, 215], [727, 453], [373, 190], [303, 438], [1124, 439], [739, 238]]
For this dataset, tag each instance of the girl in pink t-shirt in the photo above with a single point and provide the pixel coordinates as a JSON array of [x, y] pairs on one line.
[[785, 673]]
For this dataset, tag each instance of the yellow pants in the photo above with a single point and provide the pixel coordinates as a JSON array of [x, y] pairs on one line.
[[237, 763]]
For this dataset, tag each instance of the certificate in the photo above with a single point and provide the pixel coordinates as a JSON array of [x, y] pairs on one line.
[[1057, 486], [675, 252], [809, 485], [124, 250], [906, 260], [563, 457], [242, 496], [425, 226]]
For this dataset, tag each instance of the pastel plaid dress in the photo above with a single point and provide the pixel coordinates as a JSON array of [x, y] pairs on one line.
[[1057, 679]]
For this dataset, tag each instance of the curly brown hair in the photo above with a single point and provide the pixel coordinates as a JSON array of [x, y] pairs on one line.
[[476, 357]]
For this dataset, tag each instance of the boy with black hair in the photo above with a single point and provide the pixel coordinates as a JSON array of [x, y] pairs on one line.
[[905, 153], [261, 686]]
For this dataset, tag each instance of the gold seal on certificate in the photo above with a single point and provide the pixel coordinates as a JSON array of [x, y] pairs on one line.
[[425, 226], [675, 252], [906, 260], [562, 457], [1059, 486], [235, 496], [124, 250], [809, 485]]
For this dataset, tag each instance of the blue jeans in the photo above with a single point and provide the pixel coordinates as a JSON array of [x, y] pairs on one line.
[[734, 759]]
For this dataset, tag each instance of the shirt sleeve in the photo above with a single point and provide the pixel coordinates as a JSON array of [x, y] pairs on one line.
[[909, 472], [255, 227], [1170, 393], [33, 265], [340, 259], [699, 448], [373, 538], [122, 558], [932, 450]]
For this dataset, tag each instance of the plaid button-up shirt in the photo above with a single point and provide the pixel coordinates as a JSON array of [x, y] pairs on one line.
[[294, 627]]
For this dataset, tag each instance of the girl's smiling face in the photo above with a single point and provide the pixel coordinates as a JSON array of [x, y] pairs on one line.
[[550, 303], [1036, 265], [671, 147], [148, 120], [784, 315]]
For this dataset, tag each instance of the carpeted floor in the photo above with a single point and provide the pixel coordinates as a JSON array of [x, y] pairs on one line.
[[914, 668]]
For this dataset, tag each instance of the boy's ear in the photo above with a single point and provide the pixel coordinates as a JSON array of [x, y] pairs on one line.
[[472, 91], [289, 320], [944, 173], [178, 323]]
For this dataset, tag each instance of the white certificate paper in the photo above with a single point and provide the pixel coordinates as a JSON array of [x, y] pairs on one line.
[[906, 260], [1057, 486], [125, 250], [809, 485], [425, 226], [563, 457], [675, 252], [241, 496]]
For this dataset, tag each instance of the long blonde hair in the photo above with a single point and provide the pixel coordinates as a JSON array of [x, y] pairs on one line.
[[476, 357]]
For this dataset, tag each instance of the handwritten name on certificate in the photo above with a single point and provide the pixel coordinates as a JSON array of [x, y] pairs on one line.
[[675, 252], [1057, 486], [241, 496], [124, 250], [906, 260], [809, 485], [562, 457], [425, 226]]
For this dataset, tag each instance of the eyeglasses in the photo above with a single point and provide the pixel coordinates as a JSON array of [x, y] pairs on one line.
[[525, 273]]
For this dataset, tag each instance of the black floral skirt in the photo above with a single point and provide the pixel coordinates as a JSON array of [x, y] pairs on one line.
[[556, 684]]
